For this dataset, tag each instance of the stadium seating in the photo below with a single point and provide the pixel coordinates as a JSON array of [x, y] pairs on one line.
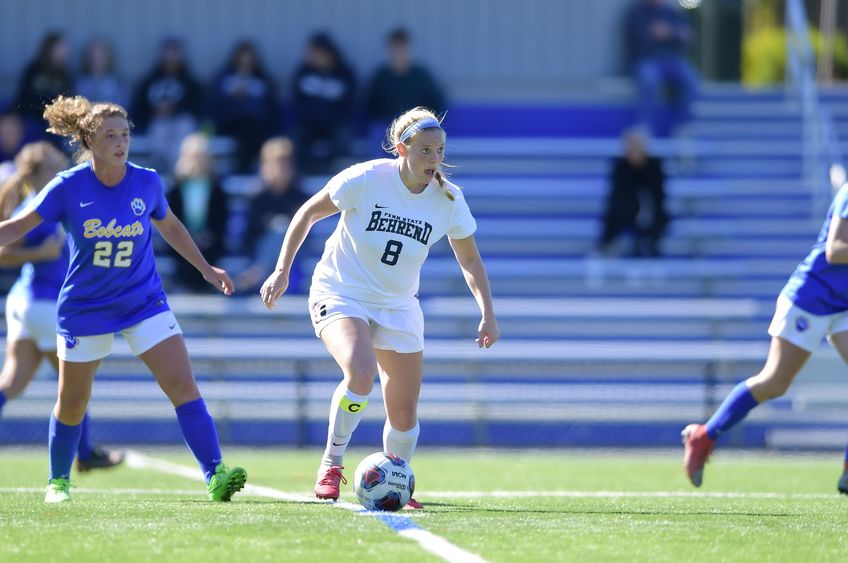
[[595, 351]]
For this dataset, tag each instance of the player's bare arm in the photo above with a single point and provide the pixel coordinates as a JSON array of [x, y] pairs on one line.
[[178, 238], [469, 260], [16, 227], [836, 248], [318, 207]]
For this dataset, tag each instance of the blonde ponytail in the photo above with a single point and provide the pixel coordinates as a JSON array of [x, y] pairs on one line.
[[77, 119], [35, 162]]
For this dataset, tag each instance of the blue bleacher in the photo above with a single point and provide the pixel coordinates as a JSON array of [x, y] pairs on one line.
[[595, 351]]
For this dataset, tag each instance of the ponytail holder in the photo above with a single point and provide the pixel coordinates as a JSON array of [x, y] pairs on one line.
[[420, 125]]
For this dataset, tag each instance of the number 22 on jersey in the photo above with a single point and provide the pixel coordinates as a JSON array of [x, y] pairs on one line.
[[122, 258]]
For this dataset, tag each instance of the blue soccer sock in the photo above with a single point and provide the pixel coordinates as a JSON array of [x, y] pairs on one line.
[[2, 401], [735, 407], [200, 435], [62, 442], [85, 448]]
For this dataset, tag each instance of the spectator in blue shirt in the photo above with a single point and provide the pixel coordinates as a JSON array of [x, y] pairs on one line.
[[658, 36]]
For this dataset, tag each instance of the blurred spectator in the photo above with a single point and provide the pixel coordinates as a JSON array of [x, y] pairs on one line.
[[45, 77], [401, 84], [198, 200], [12, 135], [658, 35], [97, 80], [324, 88], [245, 105], [636, 199], [269, 213], [167, 104]]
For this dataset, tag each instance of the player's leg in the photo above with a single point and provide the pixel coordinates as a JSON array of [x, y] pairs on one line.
[[88, 456], [784, 362], [839, 340], [795, 334], [19, 366], [168, 360], [22, 351], [348, 339], [75, 380], [399, 343], [400, 378]]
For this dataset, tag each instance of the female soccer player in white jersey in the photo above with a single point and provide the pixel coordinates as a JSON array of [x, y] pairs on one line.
[[363, 299], [31, 303], [107, 206], [812, 305]]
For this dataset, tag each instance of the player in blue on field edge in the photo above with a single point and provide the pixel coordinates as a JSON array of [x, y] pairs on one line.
[[107, 207]]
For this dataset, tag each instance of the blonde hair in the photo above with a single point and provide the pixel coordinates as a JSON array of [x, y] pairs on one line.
[[33, 157], [195, 157], [400, 124], [77, 119]]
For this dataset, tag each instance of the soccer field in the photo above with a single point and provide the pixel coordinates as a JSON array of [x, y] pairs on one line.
[[491, 505]]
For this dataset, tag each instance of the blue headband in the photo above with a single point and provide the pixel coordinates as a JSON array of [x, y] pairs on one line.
[[420, 125]]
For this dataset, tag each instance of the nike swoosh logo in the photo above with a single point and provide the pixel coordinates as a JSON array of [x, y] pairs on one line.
[[380, 206], [342, 444], [173, 325], [86, 204]]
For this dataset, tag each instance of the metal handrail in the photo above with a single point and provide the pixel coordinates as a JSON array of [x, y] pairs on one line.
[[822, 156]]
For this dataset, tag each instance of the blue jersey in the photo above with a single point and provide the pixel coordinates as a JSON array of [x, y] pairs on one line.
[[816, 286], [41, 280], [111, 283]]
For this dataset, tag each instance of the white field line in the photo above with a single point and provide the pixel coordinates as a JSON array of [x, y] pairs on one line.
[[110, 491], [401, 524], [626, 494], [256, 490]]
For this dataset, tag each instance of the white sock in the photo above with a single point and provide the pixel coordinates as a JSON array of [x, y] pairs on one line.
[[402, 444], [346, 411]]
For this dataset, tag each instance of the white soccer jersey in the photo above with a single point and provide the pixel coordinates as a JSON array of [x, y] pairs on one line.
[[384, 234]]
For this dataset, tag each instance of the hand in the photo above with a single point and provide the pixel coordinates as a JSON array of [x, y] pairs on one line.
[[273, 288], [219, 279], [487, 333]]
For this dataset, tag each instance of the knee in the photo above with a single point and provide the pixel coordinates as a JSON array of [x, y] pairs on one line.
[[403, 417], [766, 387], [11, 389], [182, 390], [360, 372], [71, 410]]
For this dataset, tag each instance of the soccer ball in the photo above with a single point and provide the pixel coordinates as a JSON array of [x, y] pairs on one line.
[[383, 481]]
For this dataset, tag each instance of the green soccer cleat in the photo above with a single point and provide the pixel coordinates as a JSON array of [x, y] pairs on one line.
[[226, 482], [58, 490]]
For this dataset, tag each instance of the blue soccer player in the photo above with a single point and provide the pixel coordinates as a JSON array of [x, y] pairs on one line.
[[107, 207], [812, 305], [31, 303]]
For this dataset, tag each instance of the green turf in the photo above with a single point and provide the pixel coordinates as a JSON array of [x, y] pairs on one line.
[[111, 519]]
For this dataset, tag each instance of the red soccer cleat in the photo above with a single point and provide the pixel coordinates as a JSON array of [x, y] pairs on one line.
[[327, 486], [413, 505], [697, 447]]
